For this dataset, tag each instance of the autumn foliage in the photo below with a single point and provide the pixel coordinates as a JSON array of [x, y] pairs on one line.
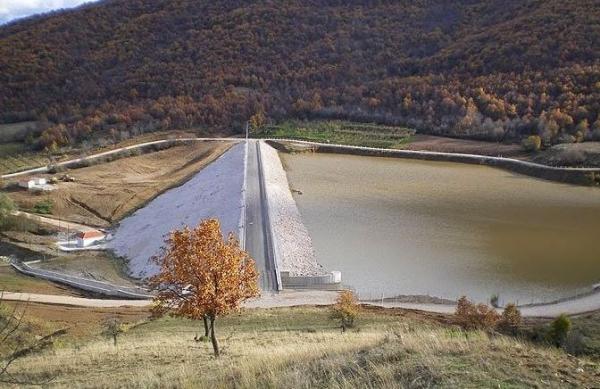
[[482, 69], [346, 309], [511, 319], [476, 316], [203, 275]]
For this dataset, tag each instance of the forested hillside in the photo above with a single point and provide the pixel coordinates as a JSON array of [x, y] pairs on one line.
[[489, 69]]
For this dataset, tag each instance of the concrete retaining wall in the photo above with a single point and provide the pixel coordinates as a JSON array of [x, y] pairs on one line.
[[578, 176], [331, 281]]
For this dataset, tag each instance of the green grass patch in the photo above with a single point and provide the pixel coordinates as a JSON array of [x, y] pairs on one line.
[[43, 207], [339, 132]]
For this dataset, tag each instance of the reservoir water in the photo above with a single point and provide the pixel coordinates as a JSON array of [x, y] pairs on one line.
[[407, 227]]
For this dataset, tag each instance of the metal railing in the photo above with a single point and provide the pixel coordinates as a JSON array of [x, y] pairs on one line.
[[89, 285]]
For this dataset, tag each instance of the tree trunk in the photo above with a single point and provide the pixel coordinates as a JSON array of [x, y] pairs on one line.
[[115, 340], [206, 330], [213, 337]]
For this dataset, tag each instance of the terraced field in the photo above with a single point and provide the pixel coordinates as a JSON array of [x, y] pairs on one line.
[[17, 156], [339, 132]]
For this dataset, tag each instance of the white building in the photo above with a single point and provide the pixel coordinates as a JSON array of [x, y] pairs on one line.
[[88, 238], [34, 182]]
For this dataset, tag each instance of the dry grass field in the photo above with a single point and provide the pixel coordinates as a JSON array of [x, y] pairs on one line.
[[293, 348], [450, 145], [103, 194]]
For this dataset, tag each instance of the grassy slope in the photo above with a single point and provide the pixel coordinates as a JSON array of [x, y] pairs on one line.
[[302, 347], [18, 156]]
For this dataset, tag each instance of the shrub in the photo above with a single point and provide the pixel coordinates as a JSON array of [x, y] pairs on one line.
[[476, 316], [43, 207], [53, 169], [346, 309], [532, 143], [19, 223], [577, 343], [113, 328], [135, 152], [559, 330], [511, 319]]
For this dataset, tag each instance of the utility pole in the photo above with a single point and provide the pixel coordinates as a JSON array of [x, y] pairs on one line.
[[247, 131]]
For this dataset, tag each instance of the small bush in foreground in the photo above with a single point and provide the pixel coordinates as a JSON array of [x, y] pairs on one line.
[[510, 320], [7, 206], [346, 309], [559, 330], [476, 316], [113, 328]]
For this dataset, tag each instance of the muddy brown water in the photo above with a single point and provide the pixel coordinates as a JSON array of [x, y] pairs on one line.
[[406, 227]]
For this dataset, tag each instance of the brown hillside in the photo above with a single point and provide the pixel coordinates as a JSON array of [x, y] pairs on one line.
[[485, 69]]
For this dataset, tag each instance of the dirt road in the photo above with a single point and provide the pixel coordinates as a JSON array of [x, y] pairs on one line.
[[289, 298], [44, 169], [61, 224]]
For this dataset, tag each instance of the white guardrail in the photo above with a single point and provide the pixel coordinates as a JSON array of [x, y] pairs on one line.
[[88, 285]]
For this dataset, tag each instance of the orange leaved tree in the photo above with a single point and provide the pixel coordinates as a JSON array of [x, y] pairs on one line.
[[346, 309], [203, 275]]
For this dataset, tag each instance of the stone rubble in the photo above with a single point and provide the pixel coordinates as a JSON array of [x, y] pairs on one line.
[[292, 241]]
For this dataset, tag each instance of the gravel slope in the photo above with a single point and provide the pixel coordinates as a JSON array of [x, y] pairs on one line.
[[292, 241], [214, 192]]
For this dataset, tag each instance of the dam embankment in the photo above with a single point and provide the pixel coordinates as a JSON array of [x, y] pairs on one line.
[[294, 254], [214, 192]]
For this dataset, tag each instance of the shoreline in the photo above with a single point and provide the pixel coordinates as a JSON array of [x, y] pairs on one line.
[[575, 176]]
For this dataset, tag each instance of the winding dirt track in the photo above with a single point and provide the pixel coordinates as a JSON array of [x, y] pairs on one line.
[[44, 169], [289, 298], [61, 224]]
